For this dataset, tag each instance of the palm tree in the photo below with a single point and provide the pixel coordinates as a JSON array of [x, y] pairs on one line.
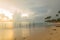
[[59, 12], [58, 19], [57, 15], [48, 17], [53, 20]]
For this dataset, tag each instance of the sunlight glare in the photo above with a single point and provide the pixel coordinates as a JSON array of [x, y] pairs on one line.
[[6, 13], [24, 15]]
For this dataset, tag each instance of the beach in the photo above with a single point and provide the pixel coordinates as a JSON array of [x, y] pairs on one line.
[[34, 33]]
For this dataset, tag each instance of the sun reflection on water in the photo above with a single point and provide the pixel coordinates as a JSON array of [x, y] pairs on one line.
[[25, 30]]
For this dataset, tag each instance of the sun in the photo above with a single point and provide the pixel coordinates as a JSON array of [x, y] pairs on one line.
[[24, 15], [6, 13]]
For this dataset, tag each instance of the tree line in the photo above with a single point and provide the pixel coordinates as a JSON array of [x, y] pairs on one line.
[[48, 18]]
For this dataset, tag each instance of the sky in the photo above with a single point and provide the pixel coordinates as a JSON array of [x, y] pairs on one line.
[[40, 8]]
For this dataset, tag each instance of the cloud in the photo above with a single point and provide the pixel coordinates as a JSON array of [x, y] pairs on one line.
[[41, 8]]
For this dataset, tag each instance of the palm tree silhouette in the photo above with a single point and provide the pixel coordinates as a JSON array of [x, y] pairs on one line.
[[53, 20], [57, 15], [59, 12], [48, 17]]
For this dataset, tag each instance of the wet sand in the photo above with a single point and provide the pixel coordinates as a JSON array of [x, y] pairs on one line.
[[38, 33], [50, 33]]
